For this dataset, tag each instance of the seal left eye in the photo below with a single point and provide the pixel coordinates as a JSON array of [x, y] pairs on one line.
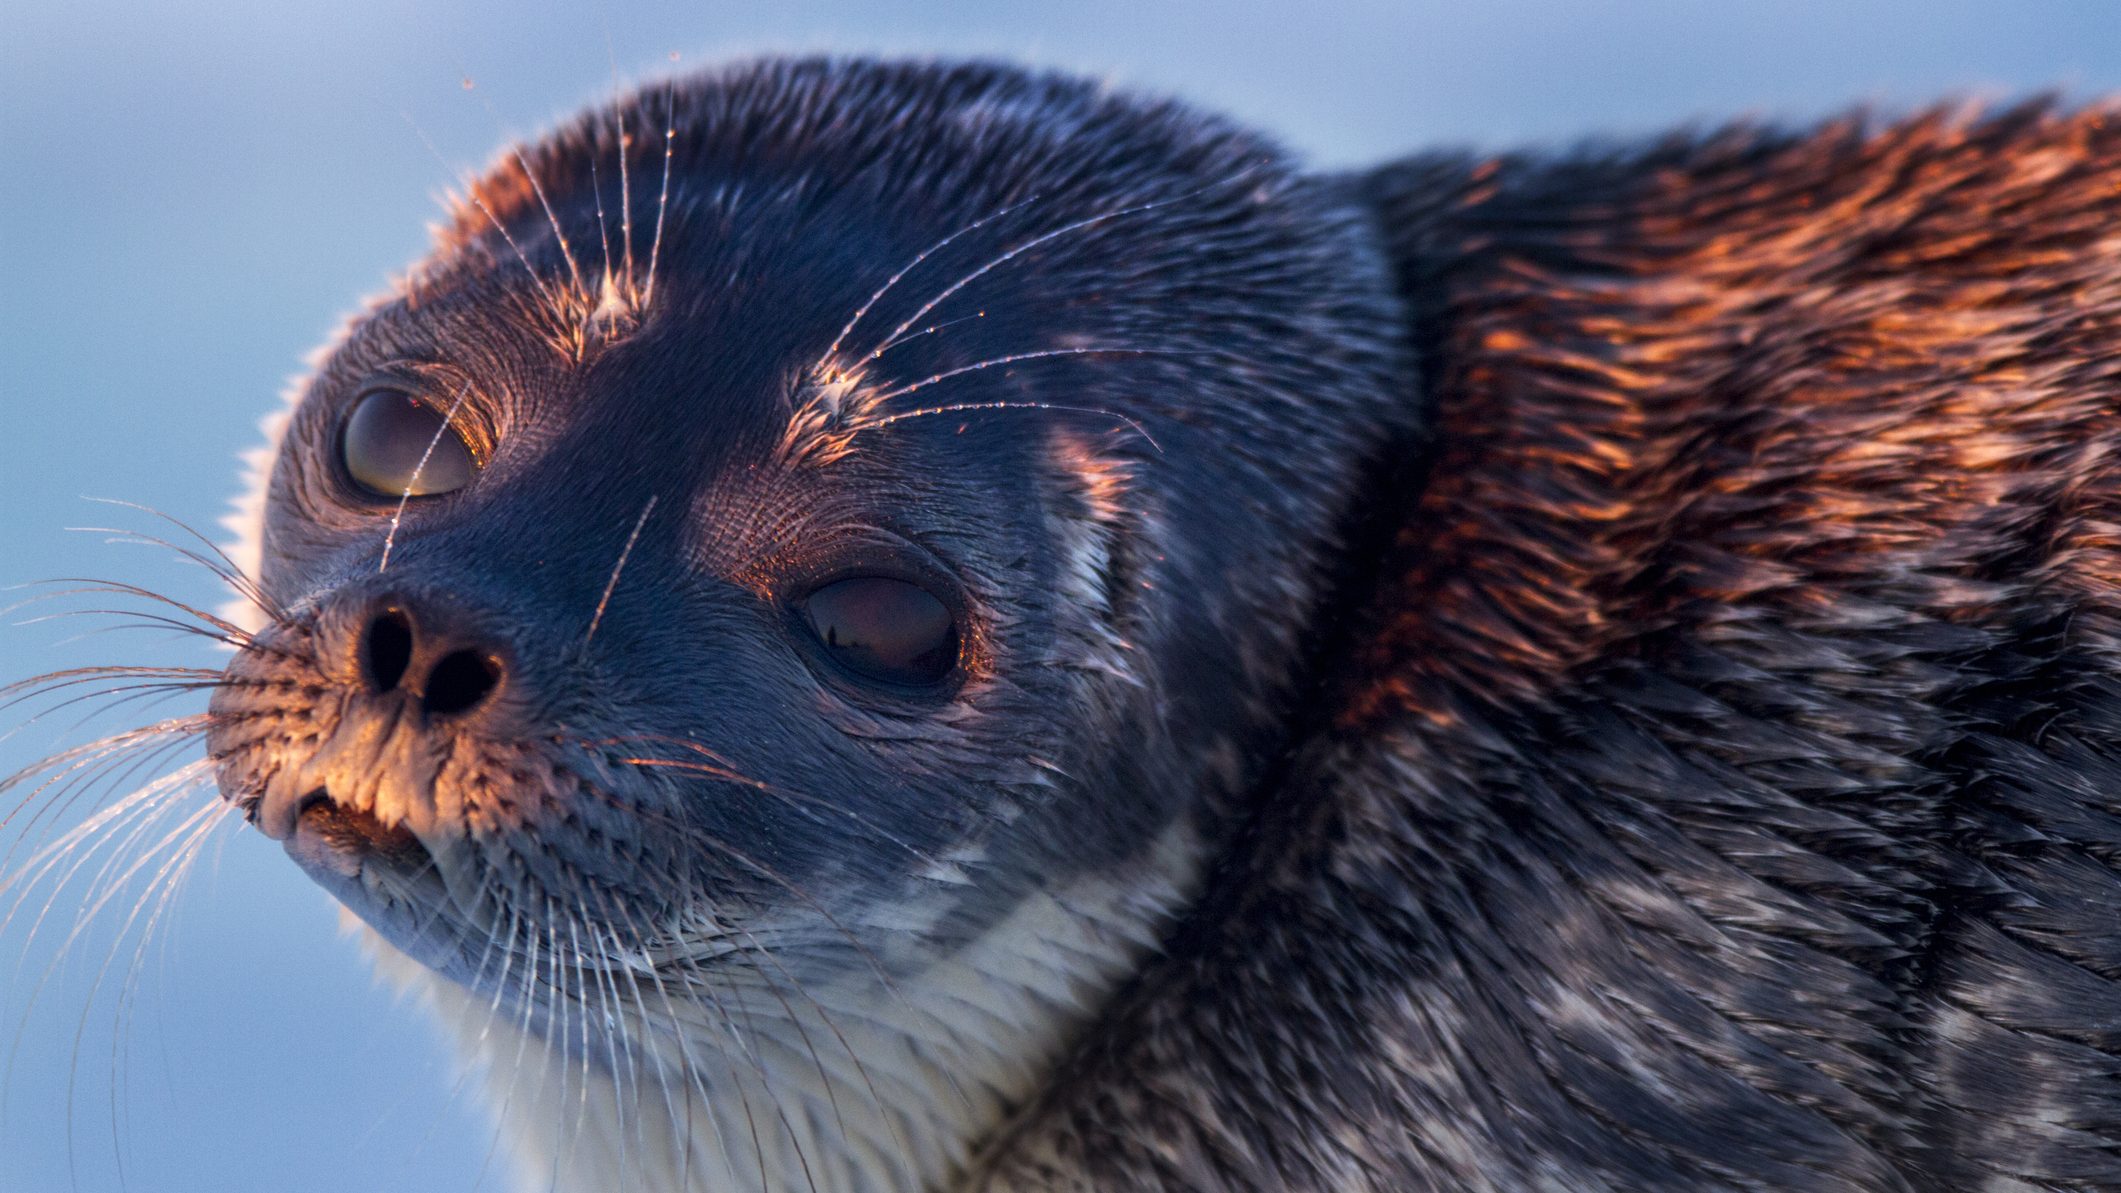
[[395, 445]]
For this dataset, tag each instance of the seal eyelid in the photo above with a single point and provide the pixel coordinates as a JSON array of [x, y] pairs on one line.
[[395, 445]]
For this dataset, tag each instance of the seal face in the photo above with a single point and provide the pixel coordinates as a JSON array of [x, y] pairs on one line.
[[770, 604]]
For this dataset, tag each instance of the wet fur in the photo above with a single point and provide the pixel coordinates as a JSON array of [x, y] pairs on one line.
[[1698, 770]]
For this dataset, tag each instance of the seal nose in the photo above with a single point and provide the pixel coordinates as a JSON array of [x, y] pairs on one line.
[[449, 675]]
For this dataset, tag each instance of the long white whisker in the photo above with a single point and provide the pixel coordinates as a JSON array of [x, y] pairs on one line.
[[910, 266], [537, 188], [390, 537], [596, 188], [229, 563], [146, 808], [147, 856], [959, 407], [1009, 255], [1009, 359], [647, 1042], [662, 203], [471, 195], [625, 185]]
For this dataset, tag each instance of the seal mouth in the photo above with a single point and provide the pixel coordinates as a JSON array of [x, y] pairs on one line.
[[383, 874], [339, 840]]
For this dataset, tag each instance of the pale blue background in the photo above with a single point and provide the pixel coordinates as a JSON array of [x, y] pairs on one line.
[[191, 195]]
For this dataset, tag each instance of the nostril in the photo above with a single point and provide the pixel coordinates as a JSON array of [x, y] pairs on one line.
[[388, 651], [459, 682]]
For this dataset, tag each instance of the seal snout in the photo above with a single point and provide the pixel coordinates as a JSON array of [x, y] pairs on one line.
[[400, 705], [446, 666]]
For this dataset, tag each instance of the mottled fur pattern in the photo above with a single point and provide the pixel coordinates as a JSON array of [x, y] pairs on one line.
[[1723, 789]]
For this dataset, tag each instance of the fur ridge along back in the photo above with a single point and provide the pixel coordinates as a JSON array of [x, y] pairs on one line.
[[1722, 786]]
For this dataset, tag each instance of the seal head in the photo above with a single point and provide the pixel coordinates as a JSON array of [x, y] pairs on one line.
[[807, 528]]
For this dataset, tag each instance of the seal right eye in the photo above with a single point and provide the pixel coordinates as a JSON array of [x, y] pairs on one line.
[[886, 629], [394, 445]]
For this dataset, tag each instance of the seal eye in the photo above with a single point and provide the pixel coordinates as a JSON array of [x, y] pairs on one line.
[[886, 629], [395, 445]]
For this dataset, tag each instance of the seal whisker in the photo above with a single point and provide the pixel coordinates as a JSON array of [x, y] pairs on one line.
[[515, 150], [472, 196], [1007, 359], [559, 1011], [111, 877], [216, 560], [884, 1113], [1010, 254], [113, 698], [449, 418], [79, 769], [751, 958], [624, 1065], [112, 827], [618, 110], [662, 203], [55, 681], [719, 768], [527, 1001], [576, 991], [164, 890], [596, 190], [574, 270], [122, 536], [625, 553], [696, 1076], [772, 1091], [960, 407], [188, 832], [145, 817], [606, 940], [590, 983], [725, 849], [929, 330], [234, 634], [501, 942], [109, 828], [832, 350], [626, 209]]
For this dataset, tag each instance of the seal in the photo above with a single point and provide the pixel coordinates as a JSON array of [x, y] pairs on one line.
[[883, 626]]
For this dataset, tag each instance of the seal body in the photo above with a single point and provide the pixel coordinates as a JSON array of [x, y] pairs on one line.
[[1719, 791], [1575, 673]]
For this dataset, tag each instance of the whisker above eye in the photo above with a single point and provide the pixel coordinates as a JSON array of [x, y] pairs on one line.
[[1010, 254], [961, 407], [861, 311], [662, 202]]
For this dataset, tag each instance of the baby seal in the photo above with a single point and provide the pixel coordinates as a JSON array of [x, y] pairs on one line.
[[874, 626]]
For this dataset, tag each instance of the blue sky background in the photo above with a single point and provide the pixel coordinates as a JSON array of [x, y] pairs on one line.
[[191, 195]]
